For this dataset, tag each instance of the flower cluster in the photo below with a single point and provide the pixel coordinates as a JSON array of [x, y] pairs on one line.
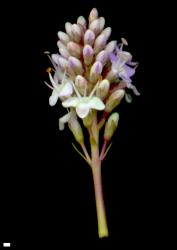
[[89, 73]]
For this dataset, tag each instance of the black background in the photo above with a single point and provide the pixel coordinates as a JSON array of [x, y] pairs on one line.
[[46, 188]]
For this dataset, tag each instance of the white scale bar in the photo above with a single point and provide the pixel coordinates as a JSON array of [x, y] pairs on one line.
[[5, 244]]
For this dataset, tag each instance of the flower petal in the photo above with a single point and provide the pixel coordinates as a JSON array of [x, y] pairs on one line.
[[82, 110], [113, 57], [130, 71], [131, 86], [58, 76], [66, 90], [64, 119], [96, 103], [70, 102], [124, 76], [53, 98]]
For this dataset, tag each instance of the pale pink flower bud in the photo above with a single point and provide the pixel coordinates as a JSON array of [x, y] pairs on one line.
[[60, 45], [76, 129], [63, 50], [102, 57], [88, 120], [110, 47], [107, 32], [95, 71], [114, 100], [88, 54], [76, 65], [68, 28], [74, 49], [95, 26], [111, 126], [111, 76], [63, 63], [55, 58], [89, 37], [102, 23], [100, 43], [70, 72], [76, 32], [93, 15], [103, 89], [63, 37], [81, 21], [81, 84]]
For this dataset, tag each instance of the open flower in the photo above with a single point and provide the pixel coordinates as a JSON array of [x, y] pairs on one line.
[[63, 120], [84, 104], [123, 67], [63, 89]]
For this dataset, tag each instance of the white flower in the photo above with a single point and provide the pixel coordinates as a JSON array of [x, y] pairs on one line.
[[84, 104], [73, 123], [63, 89], [64, 119]]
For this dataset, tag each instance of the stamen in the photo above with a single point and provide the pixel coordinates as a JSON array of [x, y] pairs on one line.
[[85, 90], [49, 70], [52, 81], [94, 89], [121, 46], [48, 85], [124, 41], [64, 76], [48, 55], [75, 89]]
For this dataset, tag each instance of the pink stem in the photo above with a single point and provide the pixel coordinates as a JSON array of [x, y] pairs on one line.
[[103, 150]]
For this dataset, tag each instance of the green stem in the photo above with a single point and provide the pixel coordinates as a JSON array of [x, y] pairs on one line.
[[96, 171], [100, 207]]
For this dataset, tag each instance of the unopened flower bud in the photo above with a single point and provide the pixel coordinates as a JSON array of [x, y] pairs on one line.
[[70, 71], [88, 54], [95, 26], [60, 45], [87, 121], [68, 28], [102, 23], [89, 37], [100, 43], [63, 50], [55, 58], [112, 76], [110, 47], [102, 57], [63, 62], [63, 37], [107, 32], [114, 100], [76, 129], [93, 15], [111, 126], [76, 65], [81, 21], [81, 84], [95, 71], [74, 49], [77, 32], [103, 89]]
